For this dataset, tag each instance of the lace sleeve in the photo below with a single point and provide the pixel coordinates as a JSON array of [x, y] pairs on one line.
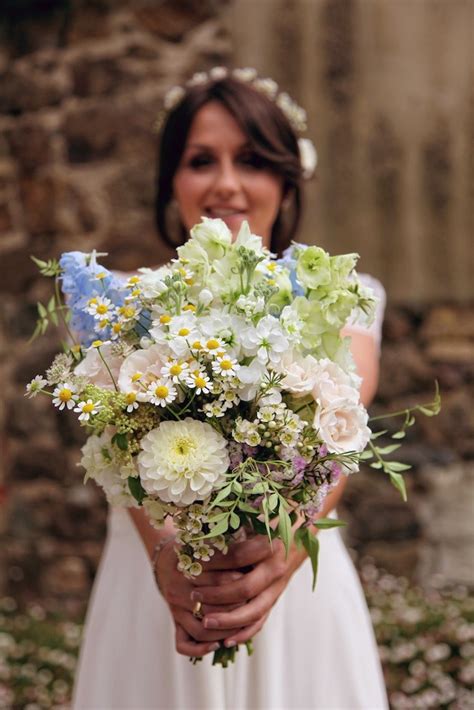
[[375, 329]]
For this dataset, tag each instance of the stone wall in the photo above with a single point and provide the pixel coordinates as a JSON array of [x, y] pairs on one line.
[[80, 85]]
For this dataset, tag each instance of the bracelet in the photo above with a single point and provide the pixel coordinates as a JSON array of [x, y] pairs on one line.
[[154, 559]]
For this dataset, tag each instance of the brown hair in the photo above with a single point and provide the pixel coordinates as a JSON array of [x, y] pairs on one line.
[[270, 134]]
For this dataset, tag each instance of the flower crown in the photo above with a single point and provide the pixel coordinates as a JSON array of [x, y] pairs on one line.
[[296, 115]]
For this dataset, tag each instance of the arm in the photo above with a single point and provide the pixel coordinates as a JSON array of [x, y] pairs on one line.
[[261, 587]]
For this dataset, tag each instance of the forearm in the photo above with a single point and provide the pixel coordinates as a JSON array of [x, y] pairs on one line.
[[149, 535]]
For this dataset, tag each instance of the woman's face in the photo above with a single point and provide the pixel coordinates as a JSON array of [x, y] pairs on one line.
[[220, 176]]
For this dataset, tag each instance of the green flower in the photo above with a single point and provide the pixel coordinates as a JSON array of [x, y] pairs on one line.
[[342, 266], [313, 268]]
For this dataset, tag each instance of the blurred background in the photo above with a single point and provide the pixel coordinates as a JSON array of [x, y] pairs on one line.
[[389, 90]]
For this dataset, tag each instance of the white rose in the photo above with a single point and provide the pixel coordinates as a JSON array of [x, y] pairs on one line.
[[333, 383], [343, 427], [140, 368], [301, 373], [97, 459], [308, 157], [94, 369]]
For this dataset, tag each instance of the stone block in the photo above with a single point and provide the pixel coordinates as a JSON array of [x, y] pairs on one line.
[[173, 19], [31, 85], [30, 144]]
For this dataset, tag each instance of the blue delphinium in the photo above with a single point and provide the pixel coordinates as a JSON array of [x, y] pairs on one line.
[[83, 279], [289, 260]]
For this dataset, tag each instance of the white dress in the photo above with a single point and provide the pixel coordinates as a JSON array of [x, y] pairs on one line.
[[316, 651]]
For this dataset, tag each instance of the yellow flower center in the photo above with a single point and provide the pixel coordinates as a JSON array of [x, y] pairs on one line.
[[104, 323], [127, 311], [271, 267], [91, 301], [117, 327], [101, 275], [189, 282], [134, 280], [137, 376], [212, 344], [189, 307], [164, 319], [97, 343], [135, 292], [184, 446], [162, 391], [65, 394], [272, 282], [101, 309], [183, 331], [88, 408], [176, 369], [225, 365], [197, 345], [200, 381], [130, 397]]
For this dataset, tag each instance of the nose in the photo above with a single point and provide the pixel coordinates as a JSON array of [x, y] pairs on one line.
[[227, 179]]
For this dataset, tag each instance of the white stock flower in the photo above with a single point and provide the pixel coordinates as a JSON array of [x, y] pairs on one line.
[[246, 239], [213, 235], [205, 297], [251, 377], [308, 157], [152, 282], [267, 340], [95, 370], [182, 461], [97, 459], [343, 427]]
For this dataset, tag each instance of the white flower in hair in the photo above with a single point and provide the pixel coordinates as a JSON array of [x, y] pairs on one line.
[[267, 87], [245, 74], [308, 157], [173, 97], [218, 73], [200, 77]]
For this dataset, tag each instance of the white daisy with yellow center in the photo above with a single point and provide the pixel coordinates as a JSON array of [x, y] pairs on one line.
[[131, 401], [64, 396], [161, 392], [86, 409], [225, 366], [183, 461], [175, 370], [100, 308], [199, 380]]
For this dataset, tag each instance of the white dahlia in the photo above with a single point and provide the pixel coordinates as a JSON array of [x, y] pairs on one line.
[[183, 461]]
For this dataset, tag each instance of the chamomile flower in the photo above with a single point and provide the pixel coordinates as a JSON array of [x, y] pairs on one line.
[[131, 400], [200, 381], [35, 386], [64, 395], [213, 409], [129, 311], [269, 267], [213, 345], [87, 409], [225, 366], [100, 307], [161, 392], [175, 370], [229, 398]]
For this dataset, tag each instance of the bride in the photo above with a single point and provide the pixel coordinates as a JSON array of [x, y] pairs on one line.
[[230, 150]]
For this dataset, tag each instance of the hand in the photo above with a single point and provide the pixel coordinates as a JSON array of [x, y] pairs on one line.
[[254, 594], [192, 639]]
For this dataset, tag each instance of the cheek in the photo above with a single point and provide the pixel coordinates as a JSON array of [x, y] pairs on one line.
[[187, 190], [268, 194]]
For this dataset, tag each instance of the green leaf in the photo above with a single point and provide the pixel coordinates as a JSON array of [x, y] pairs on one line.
[[246, 508], [266, 518], [284, 526], [51, 304], [399, 483], [376, 464], [273, 501], [42, 310], [39, 262], [223, 493], [54, 318], [237, 487], [397, 466], [378, 433], [384, 450], [136, 489], [365, 455], [120, 440], [259, 488], [327, 523], [311, 545], [399, 435], [221, 527], [234, 521], [218, 516]]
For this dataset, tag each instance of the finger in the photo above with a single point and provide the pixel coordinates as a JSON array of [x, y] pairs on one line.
[[246, 614], [183, 598], [245, 634], [215, 579], [187, 647], [248, 587], [242, 554], [196, 630]]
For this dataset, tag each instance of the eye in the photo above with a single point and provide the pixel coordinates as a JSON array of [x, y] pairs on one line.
[[252, 160], [200, 160]]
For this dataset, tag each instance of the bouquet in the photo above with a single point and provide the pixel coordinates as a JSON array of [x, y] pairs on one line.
[[217, 390]]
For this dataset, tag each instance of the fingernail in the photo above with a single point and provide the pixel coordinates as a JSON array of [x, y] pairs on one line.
[[211, 623], [236, 575], [214, 646], [229, 643], [196, 596]]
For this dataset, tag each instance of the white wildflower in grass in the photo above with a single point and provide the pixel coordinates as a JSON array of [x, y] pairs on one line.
[[161, 392], [182, 461], [175, 370], [65, 396], [100, 307], [225, 366], [36, 385], [200, 381], [131, 400], [87, 409]]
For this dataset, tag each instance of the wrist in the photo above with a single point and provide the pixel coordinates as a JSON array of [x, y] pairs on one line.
[[163, 542]]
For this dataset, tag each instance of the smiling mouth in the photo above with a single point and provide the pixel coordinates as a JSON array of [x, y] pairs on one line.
[[224, 212]]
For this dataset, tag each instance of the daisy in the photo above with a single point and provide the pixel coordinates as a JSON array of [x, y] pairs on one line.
[[175, 370], [87, 409], [131, 400], [35, 386], [161, 392], [225, 366], [64, 396], [200, 381], [99, 307]]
